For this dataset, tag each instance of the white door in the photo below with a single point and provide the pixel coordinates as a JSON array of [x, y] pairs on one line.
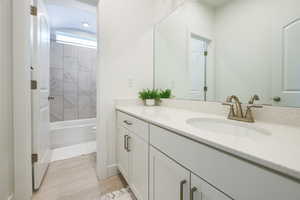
[[286, 48], [123, 152], [40, 104], [200, 190], [138, 166], [197, 68], [168, 180]]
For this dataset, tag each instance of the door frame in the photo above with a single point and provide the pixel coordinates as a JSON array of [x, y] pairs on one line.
[[22, 104], [22, 99], [102, 168]]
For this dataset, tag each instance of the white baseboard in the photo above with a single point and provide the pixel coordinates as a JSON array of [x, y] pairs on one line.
[[112, 170], [11, 197]]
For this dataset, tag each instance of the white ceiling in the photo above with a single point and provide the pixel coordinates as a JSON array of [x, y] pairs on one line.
[[70, 14]]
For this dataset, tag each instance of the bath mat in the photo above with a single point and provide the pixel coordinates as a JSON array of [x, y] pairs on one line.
[[123, 194]]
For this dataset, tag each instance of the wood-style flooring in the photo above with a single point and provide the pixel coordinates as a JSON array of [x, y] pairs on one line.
[[76, 179]]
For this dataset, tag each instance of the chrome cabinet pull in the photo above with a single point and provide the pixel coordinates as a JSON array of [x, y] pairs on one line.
[[193, 190], [127, 147], [127, 122], [181, 189], [125, 142]]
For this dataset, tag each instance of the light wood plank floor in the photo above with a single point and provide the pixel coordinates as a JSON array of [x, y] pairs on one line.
[[75, 179]]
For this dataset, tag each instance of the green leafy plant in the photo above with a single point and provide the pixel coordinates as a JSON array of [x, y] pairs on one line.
[[149, 94], [166, 94]]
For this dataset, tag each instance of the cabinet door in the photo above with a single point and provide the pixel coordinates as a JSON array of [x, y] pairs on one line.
[[200, 190], [123, 154], [168, 180], [138, 166]]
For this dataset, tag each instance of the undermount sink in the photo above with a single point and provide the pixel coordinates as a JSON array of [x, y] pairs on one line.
[[227, 127]]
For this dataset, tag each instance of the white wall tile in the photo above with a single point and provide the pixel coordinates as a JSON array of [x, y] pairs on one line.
[[56, 109], [70, 102], [77, 76], [70, 51], [56, 81], [70, 76], [56, 55], [70, 114], [70, 63], [84, 84], [84, 59], [85, 107]]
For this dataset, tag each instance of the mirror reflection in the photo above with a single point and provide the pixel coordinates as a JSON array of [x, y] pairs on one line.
[[210, 49]]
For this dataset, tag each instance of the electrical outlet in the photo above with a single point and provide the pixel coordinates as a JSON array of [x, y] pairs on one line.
[[130, 82]]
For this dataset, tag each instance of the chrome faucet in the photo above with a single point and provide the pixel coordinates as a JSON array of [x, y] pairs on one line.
[[236, 110]]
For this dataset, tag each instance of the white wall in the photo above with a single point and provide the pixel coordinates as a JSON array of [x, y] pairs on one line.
[[126, 56], [171, 61], [244, 55], [245, 47], [6, 126], [173, 43], [125, 63], [243, 62]]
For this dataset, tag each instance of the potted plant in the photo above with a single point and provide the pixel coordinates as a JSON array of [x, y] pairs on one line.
[[149, 96], [163, 94]]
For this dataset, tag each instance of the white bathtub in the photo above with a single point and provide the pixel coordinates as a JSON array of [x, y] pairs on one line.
[[69, 133]]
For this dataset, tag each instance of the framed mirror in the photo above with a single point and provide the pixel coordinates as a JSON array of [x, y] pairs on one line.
[[207, 50]]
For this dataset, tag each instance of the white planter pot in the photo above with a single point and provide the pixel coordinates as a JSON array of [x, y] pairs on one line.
[[150, 102]]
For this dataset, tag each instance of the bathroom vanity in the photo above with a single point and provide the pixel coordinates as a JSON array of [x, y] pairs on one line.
[[174, 154]]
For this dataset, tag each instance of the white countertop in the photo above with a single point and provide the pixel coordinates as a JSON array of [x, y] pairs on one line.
[[280, 150]]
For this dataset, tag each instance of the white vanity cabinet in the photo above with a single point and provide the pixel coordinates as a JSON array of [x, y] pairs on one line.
[[138, 166], [123, 154], [237, 178], [160, 164], [168, 180], [200, 190], [132, 155], [171, 181]]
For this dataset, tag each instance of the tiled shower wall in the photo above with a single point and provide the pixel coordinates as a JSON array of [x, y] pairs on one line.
[[72, 82]]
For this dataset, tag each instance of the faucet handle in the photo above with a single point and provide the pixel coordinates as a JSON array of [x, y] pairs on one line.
[[253, 99]]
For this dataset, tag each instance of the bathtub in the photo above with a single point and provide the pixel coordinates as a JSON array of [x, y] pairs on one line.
[[69, 133]]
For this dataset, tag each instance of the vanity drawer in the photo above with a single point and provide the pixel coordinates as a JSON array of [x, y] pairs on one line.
[[237, 178], [133, 124]]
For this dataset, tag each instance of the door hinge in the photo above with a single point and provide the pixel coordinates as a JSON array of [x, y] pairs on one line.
[[33, 10], [205, 88], [205, 53], [33, 84], [34, 158]]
